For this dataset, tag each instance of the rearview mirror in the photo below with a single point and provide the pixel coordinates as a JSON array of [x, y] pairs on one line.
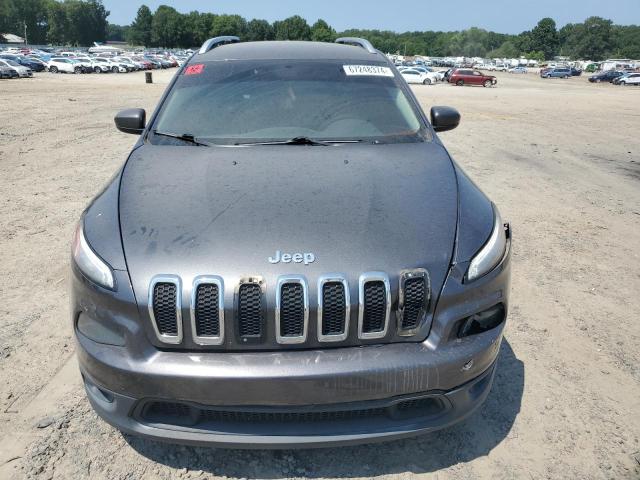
[[444, 118], [131, 120]]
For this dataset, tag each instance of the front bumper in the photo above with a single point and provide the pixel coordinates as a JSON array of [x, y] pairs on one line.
[[455, 381]]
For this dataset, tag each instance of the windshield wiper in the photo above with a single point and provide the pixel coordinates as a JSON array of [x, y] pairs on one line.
[[300, 141], [185, 137]]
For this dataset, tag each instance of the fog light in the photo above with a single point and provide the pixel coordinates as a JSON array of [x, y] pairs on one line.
[[483, 321]]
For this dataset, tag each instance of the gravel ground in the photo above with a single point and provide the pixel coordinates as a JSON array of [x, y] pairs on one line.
[[561, 158]]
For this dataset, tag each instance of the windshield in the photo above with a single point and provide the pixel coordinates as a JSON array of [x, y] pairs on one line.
[[241, 101]]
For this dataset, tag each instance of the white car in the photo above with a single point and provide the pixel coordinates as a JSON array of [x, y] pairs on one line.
[[412, 75], [499, 68], [110, 64], [59, 64], [629, 79], [22, 70]]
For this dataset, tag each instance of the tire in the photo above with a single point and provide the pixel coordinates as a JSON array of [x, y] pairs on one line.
[[77, 70], [96, 69], [114, 69], [427, 81], [53, 69], [487, 83], [623, 83], [460, 83]]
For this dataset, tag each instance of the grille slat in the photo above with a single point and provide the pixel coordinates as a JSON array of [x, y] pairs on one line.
[[250, 310], [375, 307], [165, 309], [291, 310], [207, 310], [414, 302], [333, 308]]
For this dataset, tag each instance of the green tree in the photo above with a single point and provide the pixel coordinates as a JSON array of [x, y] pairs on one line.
[[627, 41], [58, 23], [591, 40], [544, 38], [292, 28], [140, 31], [228, 25], [33, 14], [258, 30], [7, 16], [166, 27], [322, 32]]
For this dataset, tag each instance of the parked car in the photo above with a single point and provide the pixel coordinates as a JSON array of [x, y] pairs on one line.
[[23, 72], [62, 65], [519, 70], [130, 65], [81, 65], [628, 79], [499, 67], [575, 72], [607, 76], [464, 76], [108, 65], [8, 72], [415, 76], [34, 65], [281, 324], [558, 72], [147, 65]]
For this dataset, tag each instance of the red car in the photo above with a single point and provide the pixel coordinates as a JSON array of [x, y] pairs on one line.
[[468, 76]]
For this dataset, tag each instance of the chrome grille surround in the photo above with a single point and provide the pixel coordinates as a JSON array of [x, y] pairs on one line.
[[282, 281], [175, 280], [333, 278], [258, 282], [207, 339], [406, 275], [362, 281]]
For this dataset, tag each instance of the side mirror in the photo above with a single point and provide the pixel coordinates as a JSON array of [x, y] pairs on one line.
[[131, 120], [444, 118]]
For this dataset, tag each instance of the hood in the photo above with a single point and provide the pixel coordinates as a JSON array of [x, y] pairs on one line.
[[192, 211]]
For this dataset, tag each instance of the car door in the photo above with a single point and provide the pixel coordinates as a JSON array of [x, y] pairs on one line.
[[476, 78], [411, 76]]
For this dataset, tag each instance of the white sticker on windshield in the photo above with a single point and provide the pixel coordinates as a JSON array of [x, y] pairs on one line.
[[368, 70]]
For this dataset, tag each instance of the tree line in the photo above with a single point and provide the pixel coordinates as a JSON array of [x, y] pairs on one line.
[[81, 22]]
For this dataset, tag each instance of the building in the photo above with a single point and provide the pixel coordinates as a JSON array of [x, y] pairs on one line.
[[10, 38]]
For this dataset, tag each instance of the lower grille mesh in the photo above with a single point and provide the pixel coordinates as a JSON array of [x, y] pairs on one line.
[[207, 311], [291, 310], [164, 308], [375, 306], [333, 308], [414, 299], [250, 311]]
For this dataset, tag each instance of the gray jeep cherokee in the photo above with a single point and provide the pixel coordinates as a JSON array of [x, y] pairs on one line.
[[289, 257]]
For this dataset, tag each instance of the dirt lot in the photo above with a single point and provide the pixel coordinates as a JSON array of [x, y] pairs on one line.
[[560, 157]]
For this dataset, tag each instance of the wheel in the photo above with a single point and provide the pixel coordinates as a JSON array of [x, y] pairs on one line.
[[460, 83], [487, 83], [114, 69], [565, 77], [96, 69], [53, 69], [77, 70], [623, 83], [427, 81]]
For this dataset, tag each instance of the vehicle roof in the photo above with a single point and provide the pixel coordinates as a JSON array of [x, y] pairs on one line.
[[288, 50]]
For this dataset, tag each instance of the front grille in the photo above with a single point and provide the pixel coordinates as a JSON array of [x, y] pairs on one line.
[[414, 302], [292, 310], [250, 310], [207, 310], [334, 308], [375, 307], [165, 311], [227, 418]]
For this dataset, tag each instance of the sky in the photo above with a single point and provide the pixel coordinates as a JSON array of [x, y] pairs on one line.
[[504, 16]]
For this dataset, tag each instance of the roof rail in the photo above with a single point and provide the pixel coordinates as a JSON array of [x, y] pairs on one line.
[[357, 42], [216, 42]]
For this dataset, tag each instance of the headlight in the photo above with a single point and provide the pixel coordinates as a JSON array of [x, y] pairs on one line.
[[492, 252], [88, 262]]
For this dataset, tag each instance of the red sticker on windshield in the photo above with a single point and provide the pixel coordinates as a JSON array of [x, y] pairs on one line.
[[194, 69]]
